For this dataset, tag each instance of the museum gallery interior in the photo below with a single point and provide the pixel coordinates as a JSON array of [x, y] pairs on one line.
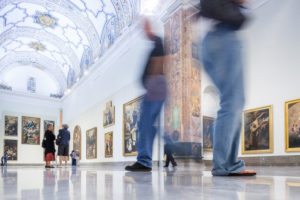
[[80, 62]]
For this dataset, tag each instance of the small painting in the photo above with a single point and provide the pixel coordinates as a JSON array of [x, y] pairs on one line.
[[31, 130], [108, 145], [208, 129], [131, 116], [91, 143], [11, 126], [46, 123], [257, 131], [11, 149], [77, 141], [292, 126], [109, 115]]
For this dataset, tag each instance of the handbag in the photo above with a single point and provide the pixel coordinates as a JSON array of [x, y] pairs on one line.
[[58, 140]]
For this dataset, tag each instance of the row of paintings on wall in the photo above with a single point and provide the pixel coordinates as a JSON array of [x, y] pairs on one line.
[[131, 115], [30, 128], [11, 146], [257, 129]]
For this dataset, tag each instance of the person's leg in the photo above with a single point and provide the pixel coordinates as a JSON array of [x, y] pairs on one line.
[[222, 61], [174, 164], [66, 160], [60, 160], [167, 160], [149, 112]]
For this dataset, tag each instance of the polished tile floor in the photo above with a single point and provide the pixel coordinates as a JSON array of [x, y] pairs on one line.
[[112, 182]]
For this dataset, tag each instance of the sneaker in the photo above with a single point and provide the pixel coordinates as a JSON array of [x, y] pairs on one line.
[[166, 166], [137, 167]]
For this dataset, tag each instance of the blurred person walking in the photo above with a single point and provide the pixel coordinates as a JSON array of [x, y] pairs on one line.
[[222, 60], [168, 148], [62, 141], [154, 82], [48, 145]]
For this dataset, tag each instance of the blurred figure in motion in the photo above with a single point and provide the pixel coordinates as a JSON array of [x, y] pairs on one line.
[[169, 151], [222, 60], [154, 82]]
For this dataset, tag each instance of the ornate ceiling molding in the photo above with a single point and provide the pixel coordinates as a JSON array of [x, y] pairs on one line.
[[40, 34], [69, 10], [35, 60]]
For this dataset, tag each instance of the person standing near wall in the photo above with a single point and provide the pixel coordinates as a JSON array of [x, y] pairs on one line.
[[48, 145], [154, 82], [222, 60], [63, 140]]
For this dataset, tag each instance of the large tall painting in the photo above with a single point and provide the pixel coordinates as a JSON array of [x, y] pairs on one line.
[[131, 116], [31, 130], [108, 145], [208, 129], [109, 115], [11, 126], [11, 149], [91, 143], [292, 125], [257, 131], [77, 141]]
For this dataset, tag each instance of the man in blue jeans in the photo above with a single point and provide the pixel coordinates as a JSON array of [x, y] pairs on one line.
[[222, 60], [155, 83]]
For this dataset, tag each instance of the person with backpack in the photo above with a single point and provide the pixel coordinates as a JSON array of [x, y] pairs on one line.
[[62, 141], [222, 60]]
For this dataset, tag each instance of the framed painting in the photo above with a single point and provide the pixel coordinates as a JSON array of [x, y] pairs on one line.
[[131, 116], [11, 126], [109, 115], [292, 125], [46, 123], [108, 138], [77, 141], [257, 130], [31, 130], [208, 129], [91, 143], [11, 149]]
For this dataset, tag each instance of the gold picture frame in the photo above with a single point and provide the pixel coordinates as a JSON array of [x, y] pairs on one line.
[[31, 130], [208, 123], [257, 130], [133, 106], [77, 141], [292, 133], [11, 125], [109, 115], [109, 144], [91, 143]]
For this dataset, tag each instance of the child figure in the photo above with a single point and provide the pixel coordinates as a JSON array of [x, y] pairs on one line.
[[73, 156]]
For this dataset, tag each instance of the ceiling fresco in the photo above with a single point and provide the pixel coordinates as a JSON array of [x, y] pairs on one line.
[[62, 37]]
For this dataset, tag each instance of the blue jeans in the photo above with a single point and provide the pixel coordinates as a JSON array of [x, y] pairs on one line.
[[149, 112], [222, 60]]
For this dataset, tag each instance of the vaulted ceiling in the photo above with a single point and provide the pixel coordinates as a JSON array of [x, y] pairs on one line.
[[60, 37]]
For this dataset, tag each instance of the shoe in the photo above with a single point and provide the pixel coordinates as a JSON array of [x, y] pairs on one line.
[[137, 167], [166, 166], [48, 167], [243, 173], [175, 165]]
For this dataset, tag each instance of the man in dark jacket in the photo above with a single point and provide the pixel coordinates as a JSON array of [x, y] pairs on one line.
[[222, 60], [154, 82], [63, 147]]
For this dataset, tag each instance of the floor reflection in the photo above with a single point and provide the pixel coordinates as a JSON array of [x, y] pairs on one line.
[[34, 183]]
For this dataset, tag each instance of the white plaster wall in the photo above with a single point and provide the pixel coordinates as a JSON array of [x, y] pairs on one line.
[[18, 105], [271, 52]]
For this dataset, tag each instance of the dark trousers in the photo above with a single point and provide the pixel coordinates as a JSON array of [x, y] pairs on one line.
[[73, 162], [170, 158]]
